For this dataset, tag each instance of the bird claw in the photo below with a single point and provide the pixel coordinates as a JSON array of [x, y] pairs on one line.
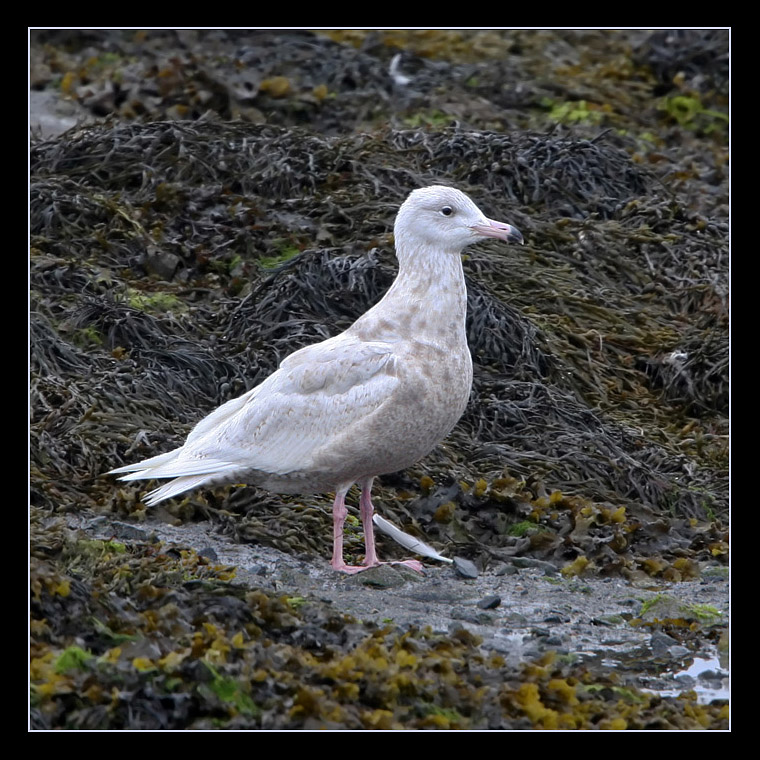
[[412, 564]]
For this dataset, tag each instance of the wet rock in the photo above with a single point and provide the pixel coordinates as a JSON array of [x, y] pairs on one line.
[[661, 644], [465, 568], [489, 602]]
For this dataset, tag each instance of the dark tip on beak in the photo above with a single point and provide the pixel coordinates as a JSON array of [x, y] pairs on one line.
[[515, 236], [499, 230]]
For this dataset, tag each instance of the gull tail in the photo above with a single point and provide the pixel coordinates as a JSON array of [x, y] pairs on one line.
[[186, 473], [145, 465], [175, 487]]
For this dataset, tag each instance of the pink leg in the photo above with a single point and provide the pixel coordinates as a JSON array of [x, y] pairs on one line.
[[366, 510], [339, 517]]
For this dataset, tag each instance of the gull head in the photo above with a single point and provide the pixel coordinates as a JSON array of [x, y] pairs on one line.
[[445, 219]]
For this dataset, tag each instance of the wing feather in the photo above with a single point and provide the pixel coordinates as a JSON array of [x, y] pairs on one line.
[[318, 392]]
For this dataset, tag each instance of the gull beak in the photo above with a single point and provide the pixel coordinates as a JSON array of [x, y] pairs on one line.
[[499, 230]]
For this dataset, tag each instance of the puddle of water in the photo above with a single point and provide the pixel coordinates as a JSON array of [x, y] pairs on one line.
[[705, 676]]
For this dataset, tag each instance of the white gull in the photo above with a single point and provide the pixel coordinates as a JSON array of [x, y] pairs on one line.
[[372, 400]]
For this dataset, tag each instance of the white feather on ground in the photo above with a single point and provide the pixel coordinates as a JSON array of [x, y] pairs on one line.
[[415, 545]]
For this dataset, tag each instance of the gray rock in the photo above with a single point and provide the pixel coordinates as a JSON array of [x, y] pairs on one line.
[[465, 568]]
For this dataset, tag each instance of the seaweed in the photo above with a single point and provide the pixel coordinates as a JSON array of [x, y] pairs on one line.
[[221, 206], [554, 366]]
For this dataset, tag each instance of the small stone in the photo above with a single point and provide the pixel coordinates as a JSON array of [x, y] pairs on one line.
[[163, 264], [529, 562], [386, 576], [209, 553], [465, 568], [660, 644], [489, 602], [125, 530]]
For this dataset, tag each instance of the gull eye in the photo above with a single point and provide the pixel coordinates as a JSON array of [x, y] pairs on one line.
[[447, 211]]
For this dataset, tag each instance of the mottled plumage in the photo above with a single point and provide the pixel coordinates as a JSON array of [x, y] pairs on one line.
[[372, 400]]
